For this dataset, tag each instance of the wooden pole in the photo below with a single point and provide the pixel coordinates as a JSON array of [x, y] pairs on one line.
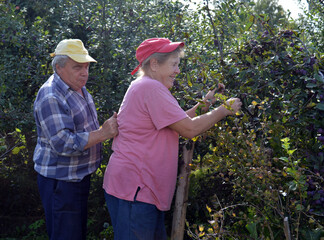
[[181, 202], [287, 229]]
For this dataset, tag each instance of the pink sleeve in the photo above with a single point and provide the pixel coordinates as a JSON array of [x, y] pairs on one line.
[[163, 108]]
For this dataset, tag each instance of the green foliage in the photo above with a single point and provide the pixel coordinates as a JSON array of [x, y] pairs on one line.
[[36, 231], [21, 68], [270, 8], [272, 154], [313, 25], [20, 203]]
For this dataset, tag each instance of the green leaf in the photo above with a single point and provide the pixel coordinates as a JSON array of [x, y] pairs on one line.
[[319, 77], [292, 185], [15, 150], [251, 227], [251, 21], [290, 152], [299, 207], [285, 159], [320, 106], [312, 234], [249, 59], [285, 143], [3, 148], [311, 85], [189, 80]]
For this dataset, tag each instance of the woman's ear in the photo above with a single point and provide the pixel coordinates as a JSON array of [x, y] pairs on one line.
[[154, 64]]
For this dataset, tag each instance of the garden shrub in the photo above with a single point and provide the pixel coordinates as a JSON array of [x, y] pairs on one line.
[[272, 154]]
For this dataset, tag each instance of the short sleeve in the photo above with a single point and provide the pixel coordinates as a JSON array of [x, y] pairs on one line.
[[163, 108]]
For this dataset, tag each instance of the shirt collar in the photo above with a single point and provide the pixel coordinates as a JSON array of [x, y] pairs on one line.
[[60, 83]]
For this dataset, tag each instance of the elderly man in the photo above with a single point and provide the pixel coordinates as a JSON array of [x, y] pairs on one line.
[[69, 140]]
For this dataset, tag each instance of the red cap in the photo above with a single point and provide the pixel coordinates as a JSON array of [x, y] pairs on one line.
[[154, 45]]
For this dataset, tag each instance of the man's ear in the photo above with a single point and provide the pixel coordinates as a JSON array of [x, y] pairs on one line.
[[154, 64], [58, 69]]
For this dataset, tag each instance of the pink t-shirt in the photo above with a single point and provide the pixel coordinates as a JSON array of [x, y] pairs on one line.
[[145, 150]]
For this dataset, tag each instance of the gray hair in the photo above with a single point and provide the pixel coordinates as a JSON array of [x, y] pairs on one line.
[[160, 57], [59, 60]]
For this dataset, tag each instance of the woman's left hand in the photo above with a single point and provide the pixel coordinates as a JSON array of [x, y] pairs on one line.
[[221, 88], [210, 99]]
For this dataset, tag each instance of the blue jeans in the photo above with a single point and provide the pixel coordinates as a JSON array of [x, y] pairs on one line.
[[66, 206], [135, 220]]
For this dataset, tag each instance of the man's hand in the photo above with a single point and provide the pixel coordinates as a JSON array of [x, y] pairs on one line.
[[108, 130], [110, 127]]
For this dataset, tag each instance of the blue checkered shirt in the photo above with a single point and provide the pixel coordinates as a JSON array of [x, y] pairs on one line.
[[64, 119]]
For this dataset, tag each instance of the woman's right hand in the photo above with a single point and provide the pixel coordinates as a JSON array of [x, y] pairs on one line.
[[233, 105]]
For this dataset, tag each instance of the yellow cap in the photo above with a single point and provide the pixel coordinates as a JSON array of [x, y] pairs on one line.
[[73, 48]]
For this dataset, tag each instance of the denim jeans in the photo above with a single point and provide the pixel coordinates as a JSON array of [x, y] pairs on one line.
[[134, 220], [66, 206]]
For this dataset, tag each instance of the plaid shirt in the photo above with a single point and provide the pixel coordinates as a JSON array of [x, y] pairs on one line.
[[64, 119]]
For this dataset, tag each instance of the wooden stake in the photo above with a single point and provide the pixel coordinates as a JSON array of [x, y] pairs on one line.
[[181, 202], [287, 229]]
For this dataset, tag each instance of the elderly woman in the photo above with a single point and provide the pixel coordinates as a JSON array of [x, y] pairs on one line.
[[141, 176]]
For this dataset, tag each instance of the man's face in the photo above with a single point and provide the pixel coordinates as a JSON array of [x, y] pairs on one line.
[[74, 74]]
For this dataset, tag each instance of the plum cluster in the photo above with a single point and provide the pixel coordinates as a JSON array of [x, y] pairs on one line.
[[315, 195]]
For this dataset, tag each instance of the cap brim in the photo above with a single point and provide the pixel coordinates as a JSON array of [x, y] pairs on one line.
[[170, 47], [81, 58], [77, 57]]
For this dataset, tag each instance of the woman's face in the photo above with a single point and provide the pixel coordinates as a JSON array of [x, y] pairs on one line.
[[167, 71]]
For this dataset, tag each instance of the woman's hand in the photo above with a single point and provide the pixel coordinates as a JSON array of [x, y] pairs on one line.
[[233, 105], [210, 99]]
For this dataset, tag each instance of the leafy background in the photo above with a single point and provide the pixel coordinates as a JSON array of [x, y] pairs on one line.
[[252, 174]]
